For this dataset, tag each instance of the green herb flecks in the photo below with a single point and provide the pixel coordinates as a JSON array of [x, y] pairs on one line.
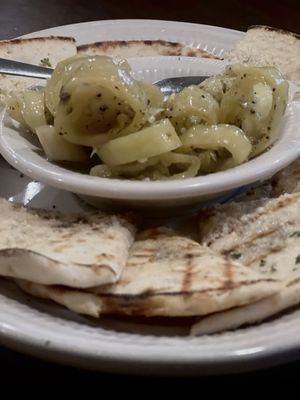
[[295, 234], [45, 62], [297, 260], [235, 256], [273, 268], [262, 263]]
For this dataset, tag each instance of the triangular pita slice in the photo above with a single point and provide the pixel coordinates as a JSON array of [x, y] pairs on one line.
[[263, 45], [142, 48], [249, 314], [166, 275], [79, 251], [45, 51], [267, 240], [248, 230], [285, 181]]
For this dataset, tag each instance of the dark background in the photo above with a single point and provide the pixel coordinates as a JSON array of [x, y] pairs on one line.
[[17, 17]]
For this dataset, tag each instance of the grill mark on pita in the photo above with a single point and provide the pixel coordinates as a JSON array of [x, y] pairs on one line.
[[155, 233], [203, 53], [162, 42], [12, 252], [143, 255], [141, 304], [168, 48], [140, 262], [137, 264], [143, 250], [293, 282], [124, 43], [152, 293], [249, 241], [36, 39], [228, 274], [188, 273]]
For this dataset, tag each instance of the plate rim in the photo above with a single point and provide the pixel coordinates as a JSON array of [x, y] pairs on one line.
[[127, 358], [131, 21], [8, 334]]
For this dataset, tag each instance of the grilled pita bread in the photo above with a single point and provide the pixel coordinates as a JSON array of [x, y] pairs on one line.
[[142, 48], [78, 251], [250, 314], [263, 45], [46, 51], [267, 240], [166, 275], [251, 229], [285, 181]]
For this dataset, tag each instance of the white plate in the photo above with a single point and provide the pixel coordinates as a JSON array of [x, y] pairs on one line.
[[48, 331]]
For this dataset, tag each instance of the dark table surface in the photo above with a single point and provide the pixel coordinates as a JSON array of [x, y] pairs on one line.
[[18, 17]]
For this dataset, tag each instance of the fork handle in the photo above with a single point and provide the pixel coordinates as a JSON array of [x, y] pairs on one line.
[[10, 67]]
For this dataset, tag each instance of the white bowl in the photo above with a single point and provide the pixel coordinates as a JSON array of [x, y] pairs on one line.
[[18, 149]]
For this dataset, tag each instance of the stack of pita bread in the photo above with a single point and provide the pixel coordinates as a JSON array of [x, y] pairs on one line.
[[244, 268], [264, 235], [90, 264]]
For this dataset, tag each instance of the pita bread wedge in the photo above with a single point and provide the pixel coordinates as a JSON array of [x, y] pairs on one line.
[[248, 230], [45, 51], [142, 48], [263, 45], [267, 240], [249, 314], [285, 181], [166, 275], [79, 251]]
